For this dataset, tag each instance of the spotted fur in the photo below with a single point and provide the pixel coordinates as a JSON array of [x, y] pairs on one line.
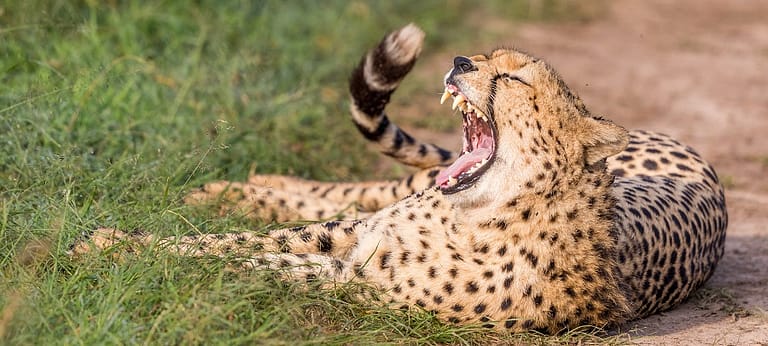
[[575, 221]]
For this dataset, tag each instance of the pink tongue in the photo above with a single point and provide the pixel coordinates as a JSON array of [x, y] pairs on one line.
[[462, 164]]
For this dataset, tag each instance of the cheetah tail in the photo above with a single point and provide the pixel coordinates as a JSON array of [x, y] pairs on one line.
[[372, 83]]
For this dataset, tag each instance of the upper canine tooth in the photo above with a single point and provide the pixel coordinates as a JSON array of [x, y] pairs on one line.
[[445, 96], [457, 100]]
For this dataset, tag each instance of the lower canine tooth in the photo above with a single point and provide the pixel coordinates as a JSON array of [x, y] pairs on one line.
[[452, 181], [457, 100]]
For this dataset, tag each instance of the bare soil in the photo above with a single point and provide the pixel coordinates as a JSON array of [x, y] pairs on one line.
[[694, 69]]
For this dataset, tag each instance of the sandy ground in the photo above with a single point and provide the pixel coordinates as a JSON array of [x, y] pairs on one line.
[[697, 70]]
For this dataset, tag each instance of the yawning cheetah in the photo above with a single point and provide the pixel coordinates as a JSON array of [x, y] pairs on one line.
[[549, 218]]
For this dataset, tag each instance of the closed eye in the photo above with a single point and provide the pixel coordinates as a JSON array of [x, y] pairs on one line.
[[516, 78], [511, 78]]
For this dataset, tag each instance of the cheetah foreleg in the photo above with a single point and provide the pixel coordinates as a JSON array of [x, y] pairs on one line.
[[307, 268], [334, 238]]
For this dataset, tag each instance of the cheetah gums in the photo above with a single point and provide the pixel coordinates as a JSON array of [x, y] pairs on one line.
[[548, 219]]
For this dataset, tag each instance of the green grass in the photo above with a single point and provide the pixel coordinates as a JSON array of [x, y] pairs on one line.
[[111, 111]]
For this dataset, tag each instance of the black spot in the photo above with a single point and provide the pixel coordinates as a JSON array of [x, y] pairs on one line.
[[532, 258], [508, 267], [508, 281], [502, 250], [457, 308], [537, 300], [325, 244], [526, 214], [404, 257], [438, 299], [552, 312], [528, 291], [448, 288], [331, 225], [422, 150], [650, 164], [282, 244], [359, 270], [385, 260], [506, 303], [338, 265], [570, 292], [472, 287], [509, 323]]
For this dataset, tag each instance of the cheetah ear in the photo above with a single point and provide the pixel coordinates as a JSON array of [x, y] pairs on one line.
[[604, 138]]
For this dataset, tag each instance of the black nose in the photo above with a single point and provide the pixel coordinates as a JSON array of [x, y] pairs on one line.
[[462, 64]]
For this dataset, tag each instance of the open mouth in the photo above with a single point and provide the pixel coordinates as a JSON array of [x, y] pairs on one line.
[[478, 149]]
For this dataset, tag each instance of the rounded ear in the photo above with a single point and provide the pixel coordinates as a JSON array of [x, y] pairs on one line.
[[604, 138]]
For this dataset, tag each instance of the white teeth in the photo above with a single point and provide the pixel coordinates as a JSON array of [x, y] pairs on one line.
[[445, 96], [458, 100], [452, 181]]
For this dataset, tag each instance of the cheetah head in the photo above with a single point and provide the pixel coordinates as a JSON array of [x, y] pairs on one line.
[[521, 124]]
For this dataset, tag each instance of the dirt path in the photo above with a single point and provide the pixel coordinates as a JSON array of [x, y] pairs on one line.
[[697, 70]]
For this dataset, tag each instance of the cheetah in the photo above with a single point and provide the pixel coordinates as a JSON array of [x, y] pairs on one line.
[[550, 217]]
